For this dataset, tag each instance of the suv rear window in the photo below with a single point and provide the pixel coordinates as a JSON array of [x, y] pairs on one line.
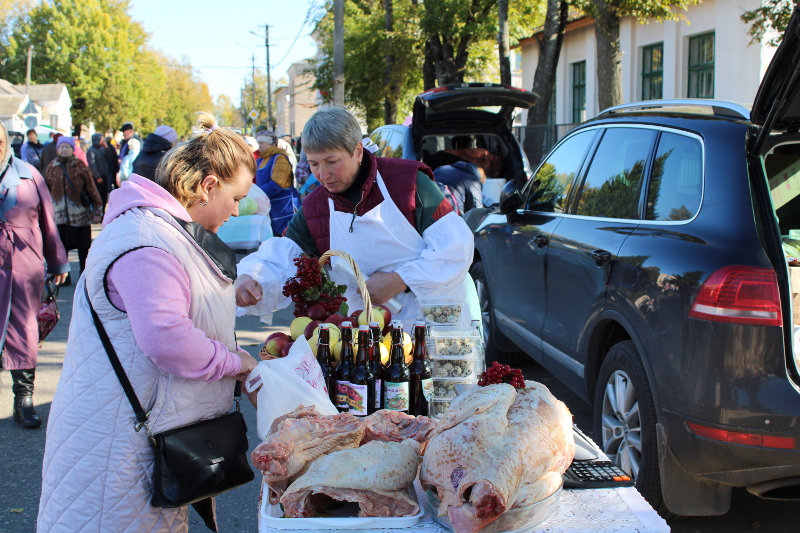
[[676, 180], [611, 187]]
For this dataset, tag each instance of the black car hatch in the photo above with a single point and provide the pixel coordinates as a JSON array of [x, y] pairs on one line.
[[777, 103], [486, 104]]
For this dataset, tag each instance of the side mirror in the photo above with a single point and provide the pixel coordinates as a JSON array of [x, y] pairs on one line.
[[510, 198]]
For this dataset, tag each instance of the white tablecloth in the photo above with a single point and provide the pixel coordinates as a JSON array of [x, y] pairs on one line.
[[584, 510], [245, 232]]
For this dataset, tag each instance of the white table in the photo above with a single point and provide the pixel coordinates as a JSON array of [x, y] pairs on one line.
[[583, 510]]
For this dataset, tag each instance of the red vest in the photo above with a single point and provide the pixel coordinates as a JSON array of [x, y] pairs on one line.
[[400, 177]]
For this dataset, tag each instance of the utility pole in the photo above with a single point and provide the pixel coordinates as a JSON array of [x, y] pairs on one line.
[[253, 93], [338, 52], [269, 82], [28, 71]]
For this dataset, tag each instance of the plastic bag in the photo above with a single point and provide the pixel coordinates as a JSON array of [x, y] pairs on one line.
[[287, 383], [261, 198]]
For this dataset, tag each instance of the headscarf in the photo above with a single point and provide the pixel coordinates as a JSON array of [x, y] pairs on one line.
[[12, 170], [267, 136], [65, 139]]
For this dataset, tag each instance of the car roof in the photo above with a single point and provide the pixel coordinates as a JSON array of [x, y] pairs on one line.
[[697, 123]]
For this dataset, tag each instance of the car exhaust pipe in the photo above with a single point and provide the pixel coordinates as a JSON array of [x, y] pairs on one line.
[[785, 489]]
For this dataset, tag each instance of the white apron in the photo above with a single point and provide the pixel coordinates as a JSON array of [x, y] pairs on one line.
[[381, 241]]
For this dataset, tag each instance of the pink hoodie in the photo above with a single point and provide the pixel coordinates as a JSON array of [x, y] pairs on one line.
[[158, 303]]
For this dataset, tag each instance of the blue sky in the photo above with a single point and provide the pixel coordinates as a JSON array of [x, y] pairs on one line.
[[215, 36]]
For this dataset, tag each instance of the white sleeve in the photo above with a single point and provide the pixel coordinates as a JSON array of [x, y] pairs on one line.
[[271, 265], [443, 265]]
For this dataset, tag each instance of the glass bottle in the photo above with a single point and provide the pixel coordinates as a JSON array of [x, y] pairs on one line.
[[361, 380], [396, 376], [421, 379], [375, 365], [324, 360], [344, 368]]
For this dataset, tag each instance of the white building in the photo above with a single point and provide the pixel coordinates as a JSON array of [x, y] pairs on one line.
[[707, 55], [48, 104]]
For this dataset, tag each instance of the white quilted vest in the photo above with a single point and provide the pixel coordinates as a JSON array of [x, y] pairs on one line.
[[97, 468]]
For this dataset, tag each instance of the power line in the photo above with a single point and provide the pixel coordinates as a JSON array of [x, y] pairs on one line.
[[305, 21]]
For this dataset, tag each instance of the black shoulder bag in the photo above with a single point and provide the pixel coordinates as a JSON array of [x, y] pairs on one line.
[[192, 462]]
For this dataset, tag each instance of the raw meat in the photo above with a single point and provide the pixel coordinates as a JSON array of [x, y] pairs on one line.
[[287, 452], [396, 426], [495, 453], [376, 475]]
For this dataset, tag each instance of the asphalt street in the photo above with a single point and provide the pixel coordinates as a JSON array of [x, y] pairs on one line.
[[22, 449]]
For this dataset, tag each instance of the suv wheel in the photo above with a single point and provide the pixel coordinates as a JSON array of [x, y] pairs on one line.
[[492, 337], [625, 419]]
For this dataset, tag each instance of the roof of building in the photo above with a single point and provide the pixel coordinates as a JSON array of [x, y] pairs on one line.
[[47, 91], [575, 19], [11, 104], [7, 87]]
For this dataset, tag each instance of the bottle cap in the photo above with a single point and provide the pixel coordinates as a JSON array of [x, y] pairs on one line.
[[420, 323], [324, 326], [374, 324], [347, 324], [363, 328]]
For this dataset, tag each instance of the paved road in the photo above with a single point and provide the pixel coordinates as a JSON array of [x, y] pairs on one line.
[[22, 449]]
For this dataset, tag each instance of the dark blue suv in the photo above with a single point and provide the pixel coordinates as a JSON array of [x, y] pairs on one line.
[[647, 264]]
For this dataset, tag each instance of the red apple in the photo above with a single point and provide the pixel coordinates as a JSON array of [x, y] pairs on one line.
[[276, 343], [317, 312], [356, 314], [335, 319], [286, 348], [309, 331], [387, 315], [275, 335]]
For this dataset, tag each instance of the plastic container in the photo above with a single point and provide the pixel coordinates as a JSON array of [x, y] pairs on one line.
[[540, 513], [439, 408], [270, 516], [455, 368], [438, 312], [446, 389], [453, 342]]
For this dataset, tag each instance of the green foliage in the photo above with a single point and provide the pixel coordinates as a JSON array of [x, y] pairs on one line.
[[226, 113], [641, 9], [101, 55], [772, 16]]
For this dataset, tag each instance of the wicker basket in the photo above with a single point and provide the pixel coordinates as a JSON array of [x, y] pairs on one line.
[[362, 285]]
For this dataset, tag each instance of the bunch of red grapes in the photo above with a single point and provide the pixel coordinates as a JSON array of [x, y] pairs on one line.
[[311, 286], [498, 373]]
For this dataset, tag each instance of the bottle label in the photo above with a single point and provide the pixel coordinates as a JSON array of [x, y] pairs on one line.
[[378, 390], [427, 389], [342, 394], [396, 396], [358, 399]]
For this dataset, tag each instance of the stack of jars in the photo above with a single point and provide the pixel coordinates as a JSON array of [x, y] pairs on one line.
[[455, 351]]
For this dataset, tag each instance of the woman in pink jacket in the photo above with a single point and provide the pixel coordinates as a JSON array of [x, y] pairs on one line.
[[161, 282], [28, 238]]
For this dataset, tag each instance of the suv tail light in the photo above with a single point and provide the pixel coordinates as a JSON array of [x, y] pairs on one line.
[[739, 295], [738, 437]]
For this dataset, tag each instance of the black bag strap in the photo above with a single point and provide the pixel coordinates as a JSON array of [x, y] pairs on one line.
[[69, 180], [52, 293]]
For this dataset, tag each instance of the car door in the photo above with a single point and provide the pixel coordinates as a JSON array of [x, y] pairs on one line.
[[520, 304], [583, 250]]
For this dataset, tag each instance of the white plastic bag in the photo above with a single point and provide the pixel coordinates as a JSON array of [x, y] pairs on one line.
[[287, 383], [261, 199]]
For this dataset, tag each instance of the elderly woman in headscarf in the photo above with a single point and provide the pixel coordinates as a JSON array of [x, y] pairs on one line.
[[28, 238], [274, 176], [77, 202]]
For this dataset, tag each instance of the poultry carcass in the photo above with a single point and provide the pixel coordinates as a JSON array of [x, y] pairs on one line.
[[296, 442], [396, 426], [376, 475], [495, 453]]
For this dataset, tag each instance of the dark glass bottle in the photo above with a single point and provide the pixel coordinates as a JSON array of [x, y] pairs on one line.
[[325, 363], [344, 368], [396, 376], [421, 380], [375, 364], [361, 380]]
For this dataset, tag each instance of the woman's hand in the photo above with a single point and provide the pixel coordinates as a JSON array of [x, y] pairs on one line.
[[58, 279], [252, 396], [248, 364], [248, 291], [97, 219], [383, 285]]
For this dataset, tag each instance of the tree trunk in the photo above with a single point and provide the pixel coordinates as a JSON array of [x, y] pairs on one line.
[[503, 42], [390, 101], [449, 64], [545, 77], [428, 68], [609, 56]]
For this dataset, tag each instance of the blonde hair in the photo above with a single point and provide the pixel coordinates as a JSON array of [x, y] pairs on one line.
[[216, 151]]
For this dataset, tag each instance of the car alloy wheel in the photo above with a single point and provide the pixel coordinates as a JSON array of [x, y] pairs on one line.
[[621, 425]]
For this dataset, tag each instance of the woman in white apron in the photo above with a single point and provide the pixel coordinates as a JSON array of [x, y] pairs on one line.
[[386, 213]]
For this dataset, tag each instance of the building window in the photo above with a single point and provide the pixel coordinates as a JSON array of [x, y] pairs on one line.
[[701, 66], [579, 91], [653, 71]]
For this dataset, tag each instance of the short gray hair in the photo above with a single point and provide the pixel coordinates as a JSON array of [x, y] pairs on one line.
[[334, 128]]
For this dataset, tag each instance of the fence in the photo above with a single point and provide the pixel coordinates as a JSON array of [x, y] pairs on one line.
[[536, 141]]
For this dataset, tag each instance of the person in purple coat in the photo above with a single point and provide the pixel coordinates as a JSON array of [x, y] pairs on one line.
[[28, 238]]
